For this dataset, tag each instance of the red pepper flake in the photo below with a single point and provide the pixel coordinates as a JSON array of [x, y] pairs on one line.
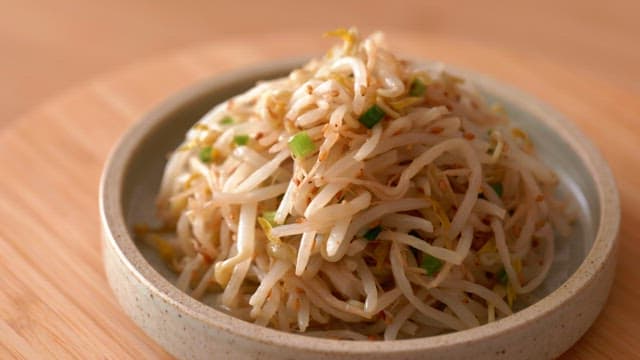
[[436, 130], [469, 136], [208, 259], [540, 197], [516, 230], [442, 185]]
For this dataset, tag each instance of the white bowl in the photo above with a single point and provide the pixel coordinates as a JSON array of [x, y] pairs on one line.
[[567, 305]]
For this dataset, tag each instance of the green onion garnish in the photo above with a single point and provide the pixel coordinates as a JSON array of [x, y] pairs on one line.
[[301, 145], [270, 216], [417, 88], [372, 116], [205, 154], [431, 264], [497, 187], [241, 140], [502, 276], [373, 233], [227, 120]]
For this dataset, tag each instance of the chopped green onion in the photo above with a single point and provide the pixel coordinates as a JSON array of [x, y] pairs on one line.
[[431, 264], [301, 145], [372, 116], [205, 154], [373, 233], [227, 120], [497, 187], [417, 88], [270, 216], [241, 140], [502, 276]]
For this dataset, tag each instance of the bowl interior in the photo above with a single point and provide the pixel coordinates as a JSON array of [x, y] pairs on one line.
[[167, 125]]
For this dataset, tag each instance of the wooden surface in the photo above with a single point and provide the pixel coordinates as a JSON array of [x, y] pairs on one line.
[[49, 45], [54, 298]]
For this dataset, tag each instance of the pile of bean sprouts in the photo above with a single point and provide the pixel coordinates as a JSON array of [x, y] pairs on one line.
[[360, 197]]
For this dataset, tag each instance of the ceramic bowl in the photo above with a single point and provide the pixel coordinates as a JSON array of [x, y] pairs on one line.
[[562, 310]]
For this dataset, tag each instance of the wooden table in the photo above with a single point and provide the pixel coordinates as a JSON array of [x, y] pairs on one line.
[[49, 45], [54, 298]]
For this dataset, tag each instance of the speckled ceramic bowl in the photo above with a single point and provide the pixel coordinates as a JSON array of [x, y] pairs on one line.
[[564, 307]]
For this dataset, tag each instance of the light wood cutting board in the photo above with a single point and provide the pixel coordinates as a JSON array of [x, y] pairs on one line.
[[54, 298]]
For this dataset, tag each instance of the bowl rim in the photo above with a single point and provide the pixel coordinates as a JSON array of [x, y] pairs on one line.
[[118, 237]]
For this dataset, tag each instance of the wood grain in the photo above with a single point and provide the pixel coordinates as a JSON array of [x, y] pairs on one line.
[[55, 301]]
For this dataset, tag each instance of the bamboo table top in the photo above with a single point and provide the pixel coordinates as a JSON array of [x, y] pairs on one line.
[[54, 298]]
